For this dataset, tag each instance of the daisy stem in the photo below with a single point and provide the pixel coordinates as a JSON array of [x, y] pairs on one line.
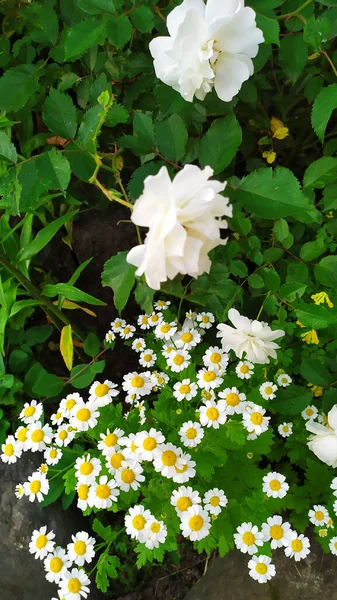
[[61, 471], [295, 12]]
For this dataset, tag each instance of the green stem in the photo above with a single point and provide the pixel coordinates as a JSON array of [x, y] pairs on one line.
[[295, 12], [329, 61]]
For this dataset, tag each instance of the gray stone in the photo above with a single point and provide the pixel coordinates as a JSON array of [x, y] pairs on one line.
[[21, 576], [228, 579]]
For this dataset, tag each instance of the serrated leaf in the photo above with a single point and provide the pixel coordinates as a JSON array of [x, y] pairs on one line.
[[119, 30], [143, 126], [315, 316], [325, 103], [143, 18], [311, 250], [81, 37], [66, 346], [17, 87], [314, 372], [220, 144], [293, 55], [281, 230], [171, 136], [144, 296], [120, 276], [89, 125], [320, 173], [97, 7], [7, 148], [54, 170], [116, 114], [59, 114], [270, 29], [316, 32], [326, 271]]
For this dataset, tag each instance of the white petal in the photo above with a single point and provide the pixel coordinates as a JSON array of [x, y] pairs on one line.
[[176, 17], [154, 200], [230, 73], [216, 9], [239, 35]]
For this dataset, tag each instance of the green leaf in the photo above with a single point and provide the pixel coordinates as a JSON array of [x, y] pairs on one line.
[[281, 230], [97, 7], [291, 290], [43, 237], [315, 316], [81, 37], [88, 127], [81, 376], [66, 346], [325, 103], [117, 114], [320, 172], [92, 345], [17, 86], [272, 194], [293, 55], [220, 144], [120, 276], [291, 401], [326, 271], [119, 31], [7, 148], [55, 490], [59, 114], [328, 2], [143, 126], [143, 18], [48, 385], [106, 568], [270, 29], [171, 137], [314, 372], [136, 183], [71, 293], [316, 32], [144, 296], [311, 250], [54, 170], [45, 23]]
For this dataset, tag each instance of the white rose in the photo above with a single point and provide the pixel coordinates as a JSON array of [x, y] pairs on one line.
[[324, 441], [252, 338], [209, 45], [183, 220]]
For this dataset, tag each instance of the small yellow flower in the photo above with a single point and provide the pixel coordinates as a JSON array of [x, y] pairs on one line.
[[314, 56], [278, 129], [179, 411], [310, 337], [316, 389], [323, 532], [329, 215], [270, 156], [300, 324], [322, 297]]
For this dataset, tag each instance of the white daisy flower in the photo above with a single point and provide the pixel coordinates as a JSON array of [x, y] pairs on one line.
[[36, 487], [102, 393], [205, 320], [310, 413], [333, 545], [81, 549], [323, 533], [214, 500], [143, 321], [164, 331], [187, 338], [127, 332], [162, 304], [209, 378], [57, 418], [183, 498], [82, 495], [138, 344], [21, 437], [267, 390], [248, 538], [137, 383], [169, 456], [114, 461], [275, 485], [297, 546], [11, 450], [159, 379], [87, 469], [39, 436], [19, 491], [185, 469], [129, 475], [216, 358], [191, 434], [84, 416], [244, 369], [43, 469], [285, 429], [68, 403], [254, 420], [155, 318], [185, 390], [135, 522], [334, 506], [117, 325], [155, 532], [75, 585], [232, 400], [103, 493], [319, 515], [333, 486], [41, 543], [207, 395], [64, 435], [323, 418], [31, 412], [108, 443], [56, 564], [167, 349], [276, 531], [212, 414], [147, 358], [148, 444], [178, 360], [130, 445], [261, 568], [284, 380], [195, 523], [110, 336]]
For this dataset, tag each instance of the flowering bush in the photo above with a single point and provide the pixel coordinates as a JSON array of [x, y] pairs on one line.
[[212, 124]]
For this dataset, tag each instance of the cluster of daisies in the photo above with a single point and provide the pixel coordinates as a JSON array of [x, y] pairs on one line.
[[65, 567]]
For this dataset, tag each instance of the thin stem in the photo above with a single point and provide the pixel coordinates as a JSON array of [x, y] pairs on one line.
[[295, 12], [261, 309], [86, 366], [112, 197], [329, 61]]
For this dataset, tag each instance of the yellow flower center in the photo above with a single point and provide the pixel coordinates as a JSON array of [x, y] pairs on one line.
[[80, 548], [58, 415], [9, 449], [296, 545], [276, 532], [319, 515], [261, 568], [186, 337], [209, 376], [206, 394], [128, 476], [244, 369], [165, 328], [56, 564], [53, 453], [70, 403], [145, 320], [37, 436], [83, 414], [169, 458], [275, 485], [103, 491], [215, 501], [138, 522], [74, 585], [149, 443], [268, 390], [41, 541], [196, 523], [284, 380], [285, 428], [309, 412], [205, 319], [127, 330], [155, 318], [63, 434], [29, 411], [178, 360], [160, 380], [101, 390], [248, 538], [215, 357], [232, 399], [110, 440], [212, 414], [116, 460], [183, 503], [83, 491], [133, 446], [182, 470], [35, 486], [22, 434], [155, 527], [139, 344], [86, 468], [137, 381], [147, 357], [184, 389], [118, 323], [256, 418], [191, 433]]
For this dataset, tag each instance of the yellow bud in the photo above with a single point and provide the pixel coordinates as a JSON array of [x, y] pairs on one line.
[[270, 156], [281, 133], [119, 162], [275, 124], [179, 411], [314, 56]]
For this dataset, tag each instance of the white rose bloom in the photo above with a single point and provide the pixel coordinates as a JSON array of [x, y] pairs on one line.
[[252, 338], [182, 217], [209, 46], [324, 441]]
